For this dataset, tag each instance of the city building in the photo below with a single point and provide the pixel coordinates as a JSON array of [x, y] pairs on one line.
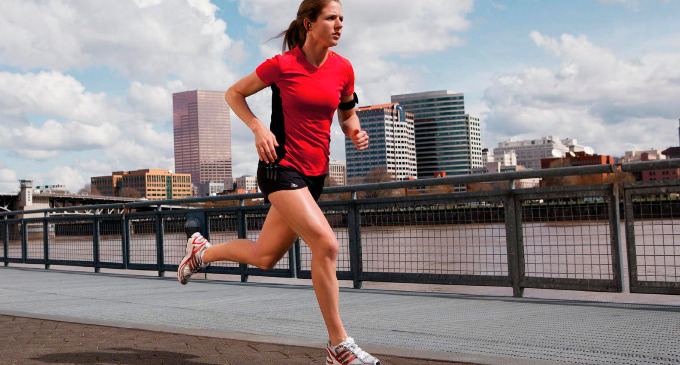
[[247, 183], [202, 132], [210, 188], [578, 159], [391, 147], [671, 152], [448, 141], [337, 171], [505, 158], [153, 184], [663, 174], [636, 156], [529, 153]]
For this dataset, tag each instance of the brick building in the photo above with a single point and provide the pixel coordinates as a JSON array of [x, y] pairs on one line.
[[154, 184], [576, 159]]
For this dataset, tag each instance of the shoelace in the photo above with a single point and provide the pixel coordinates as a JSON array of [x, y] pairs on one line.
[[195, 262], [356, 350]]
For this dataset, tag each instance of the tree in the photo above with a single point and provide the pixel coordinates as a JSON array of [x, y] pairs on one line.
[[88, 189], [130, 193], [618, 178], [329, 182], [379, 175]]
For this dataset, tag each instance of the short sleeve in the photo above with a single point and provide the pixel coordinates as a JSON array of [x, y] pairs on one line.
[[348, 89], [269, 70]]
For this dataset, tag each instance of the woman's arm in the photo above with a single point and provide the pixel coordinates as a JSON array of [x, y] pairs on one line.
[[265, 141], [349, 122]]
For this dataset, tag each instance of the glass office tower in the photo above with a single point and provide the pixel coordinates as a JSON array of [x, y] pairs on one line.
[[202, 132], [448, 141]]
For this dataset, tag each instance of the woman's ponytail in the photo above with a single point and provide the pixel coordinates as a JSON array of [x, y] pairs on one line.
[[294, 36]]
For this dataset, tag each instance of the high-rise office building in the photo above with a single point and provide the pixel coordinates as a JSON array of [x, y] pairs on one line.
[[202, 135], [448, 141], [391, 144]]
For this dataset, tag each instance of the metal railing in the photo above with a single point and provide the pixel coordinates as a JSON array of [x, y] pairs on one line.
[[559, 237]]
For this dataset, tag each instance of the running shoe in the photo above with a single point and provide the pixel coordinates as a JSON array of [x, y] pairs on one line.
[[348, 353], [192, 262]]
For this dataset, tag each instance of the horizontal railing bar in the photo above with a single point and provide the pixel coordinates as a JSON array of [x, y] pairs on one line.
[[476, 178], [451, 180], [605, 285], [442, 279], [672, 163]]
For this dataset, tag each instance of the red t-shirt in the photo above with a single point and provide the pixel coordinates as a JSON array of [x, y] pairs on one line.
[[303, 103]]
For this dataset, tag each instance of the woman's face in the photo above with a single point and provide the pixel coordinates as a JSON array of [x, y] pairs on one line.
[[327, 28]]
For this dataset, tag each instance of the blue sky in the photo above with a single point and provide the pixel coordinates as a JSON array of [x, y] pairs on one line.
[[85, 86]]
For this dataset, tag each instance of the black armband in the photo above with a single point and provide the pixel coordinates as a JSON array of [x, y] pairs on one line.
[[350, 104]]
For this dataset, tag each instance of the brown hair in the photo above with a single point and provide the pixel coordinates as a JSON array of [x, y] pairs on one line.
[[296, 34]]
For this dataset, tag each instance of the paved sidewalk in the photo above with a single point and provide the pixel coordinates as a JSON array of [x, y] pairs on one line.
[[441, 327], [29, 341]]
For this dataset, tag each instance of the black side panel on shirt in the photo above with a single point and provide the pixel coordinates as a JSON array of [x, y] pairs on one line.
[[277, 125]]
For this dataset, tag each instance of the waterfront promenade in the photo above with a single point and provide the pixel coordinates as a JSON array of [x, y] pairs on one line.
[[47, 317]]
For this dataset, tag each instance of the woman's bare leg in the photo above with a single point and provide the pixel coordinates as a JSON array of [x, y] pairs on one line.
[[274, 241], [301, 213]]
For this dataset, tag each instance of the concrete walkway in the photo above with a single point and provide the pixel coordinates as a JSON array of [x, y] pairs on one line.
[[446, 327]]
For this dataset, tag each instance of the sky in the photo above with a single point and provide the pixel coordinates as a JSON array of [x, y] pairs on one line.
[[86, 86]]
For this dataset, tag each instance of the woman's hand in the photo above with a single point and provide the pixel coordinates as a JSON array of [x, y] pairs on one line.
[[265, 142], [360, 139]]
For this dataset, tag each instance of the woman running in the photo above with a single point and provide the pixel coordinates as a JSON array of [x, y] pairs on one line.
[[309, 83]]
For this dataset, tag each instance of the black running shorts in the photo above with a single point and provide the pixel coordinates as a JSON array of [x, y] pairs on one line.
[[274, 177]]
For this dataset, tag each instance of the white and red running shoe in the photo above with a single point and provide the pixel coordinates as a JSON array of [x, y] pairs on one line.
[[192, 262], [348, 353]]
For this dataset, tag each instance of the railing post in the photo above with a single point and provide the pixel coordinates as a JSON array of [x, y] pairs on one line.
[[298, 257], [243, 234], [631, 252], [125, 233], [5, 241], [24, 241], [292, 259], [513, 233], [354, 227], [615, 234], [95, 240], [159, 241], [46, 242]]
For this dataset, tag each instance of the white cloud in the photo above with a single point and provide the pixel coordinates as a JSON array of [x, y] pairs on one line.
[[69, 176], [94, 167], [154, 102], [145, 40], [83, 124], [8, 181], [49, 93], [593, 96], [53, 135]]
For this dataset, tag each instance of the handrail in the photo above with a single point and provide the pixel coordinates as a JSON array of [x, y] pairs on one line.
[[459, 179]]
